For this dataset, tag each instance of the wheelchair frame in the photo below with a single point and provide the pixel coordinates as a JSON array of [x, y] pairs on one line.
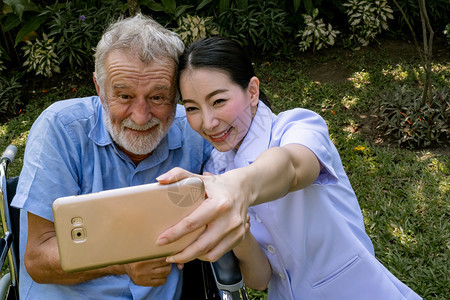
[[221, 279], [9, 284]]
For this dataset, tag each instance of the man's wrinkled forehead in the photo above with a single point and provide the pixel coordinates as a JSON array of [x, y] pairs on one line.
[[145, 58], [119, 61]]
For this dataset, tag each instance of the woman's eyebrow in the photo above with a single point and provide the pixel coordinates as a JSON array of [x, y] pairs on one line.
[[187, 101], [213, 93], [209, 96]]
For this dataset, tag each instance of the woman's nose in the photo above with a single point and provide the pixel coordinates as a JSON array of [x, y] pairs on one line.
[[210, 121]]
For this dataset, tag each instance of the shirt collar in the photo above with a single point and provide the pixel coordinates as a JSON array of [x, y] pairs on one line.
[[258, 136], [98, 133]]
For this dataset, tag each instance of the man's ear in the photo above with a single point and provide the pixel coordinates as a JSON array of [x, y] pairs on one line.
[[97, 88], [253, 89]]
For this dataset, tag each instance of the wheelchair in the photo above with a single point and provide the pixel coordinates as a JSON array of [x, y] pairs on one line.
[[221, 280]]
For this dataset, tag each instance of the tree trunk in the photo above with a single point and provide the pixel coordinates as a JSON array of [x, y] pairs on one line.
[[425, 53], [427, 34]]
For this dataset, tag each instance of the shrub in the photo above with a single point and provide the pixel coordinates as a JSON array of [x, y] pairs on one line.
[[41, 57], [10, 94], [19, 19], [367, 19], [77, 30], [261, 27], [437, 13], [169, 7], [192, 28], [403, 118], [316, 33], [447, 33], [2, 62]]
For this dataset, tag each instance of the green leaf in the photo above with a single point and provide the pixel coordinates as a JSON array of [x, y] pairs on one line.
[[203, 4], [10, 22], [152, 5], [19, 6], [170, 5], [242, 4], [30, 25], [181, 9], [308, 6], [224, 5], [297, 4]]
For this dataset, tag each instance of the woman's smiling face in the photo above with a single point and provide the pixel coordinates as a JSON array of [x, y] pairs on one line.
[[217, 108]]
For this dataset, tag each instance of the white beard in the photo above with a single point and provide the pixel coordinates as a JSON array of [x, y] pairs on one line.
[[137, 144]]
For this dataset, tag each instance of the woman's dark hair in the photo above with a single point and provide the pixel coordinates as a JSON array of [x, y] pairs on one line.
[[222, 54]]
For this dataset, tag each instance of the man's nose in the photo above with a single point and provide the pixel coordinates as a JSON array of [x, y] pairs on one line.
[[141, 111]]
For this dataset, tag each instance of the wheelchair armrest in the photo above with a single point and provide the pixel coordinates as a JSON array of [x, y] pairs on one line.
[[5, 287], [227, 273]]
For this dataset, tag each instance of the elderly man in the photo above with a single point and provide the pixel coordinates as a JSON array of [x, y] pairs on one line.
[[127, 135]]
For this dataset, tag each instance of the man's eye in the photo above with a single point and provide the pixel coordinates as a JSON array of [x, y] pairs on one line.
[[158, 99], [124, 97]]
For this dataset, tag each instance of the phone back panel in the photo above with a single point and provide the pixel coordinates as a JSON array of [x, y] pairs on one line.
[[122, 225]]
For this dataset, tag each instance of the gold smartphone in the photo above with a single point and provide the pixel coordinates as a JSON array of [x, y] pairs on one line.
[[121, 225]]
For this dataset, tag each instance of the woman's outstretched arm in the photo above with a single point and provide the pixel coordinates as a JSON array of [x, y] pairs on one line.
[[276, 172]]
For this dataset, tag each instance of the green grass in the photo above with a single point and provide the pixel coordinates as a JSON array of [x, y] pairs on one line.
[[404, 194]]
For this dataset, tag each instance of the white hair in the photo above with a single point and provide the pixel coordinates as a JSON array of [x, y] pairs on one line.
[[140, 35]]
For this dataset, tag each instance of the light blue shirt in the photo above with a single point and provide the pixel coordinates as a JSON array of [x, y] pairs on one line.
[[69, 152], [314, 238]]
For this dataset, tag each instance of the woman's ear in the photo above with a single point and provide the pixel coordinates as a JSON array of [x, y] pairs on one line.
[[253, 89]]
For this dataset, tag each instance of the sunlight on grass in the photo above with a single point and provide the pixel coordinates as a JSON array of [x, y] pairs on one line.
[[444, 186], [406, 237], [350, 101], [398, 73], [360, 79], [21, 139], [439, 68], [10, 135]]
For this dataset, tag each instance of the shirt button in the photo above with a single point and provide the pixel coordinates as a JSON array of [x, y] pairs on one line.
[[271, 249], [281, 275], [258, 219]]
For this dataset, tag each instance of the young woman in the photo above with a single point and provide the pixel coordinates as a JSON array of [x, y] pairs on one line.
[[313, 235]]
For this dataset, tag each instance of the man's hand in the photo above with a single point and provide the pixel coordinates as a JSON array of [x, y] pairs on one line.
[[224, 211], [152, 272]]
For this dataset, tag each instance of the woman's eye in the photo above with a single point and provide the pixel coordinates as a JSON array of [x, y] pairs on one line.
[[219, 101], [190, 109]]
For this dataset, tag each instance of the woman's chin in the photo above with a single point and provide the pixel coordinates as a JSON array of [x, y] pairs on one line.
[[223, 147]]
